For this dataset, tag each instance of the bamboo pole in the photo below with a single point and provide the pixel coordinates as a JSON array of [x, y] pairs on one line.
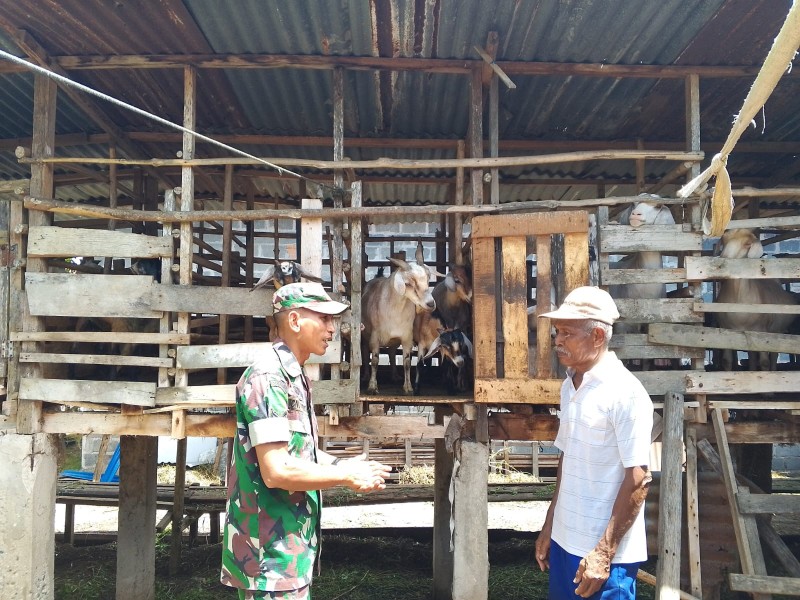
[[394, 163]]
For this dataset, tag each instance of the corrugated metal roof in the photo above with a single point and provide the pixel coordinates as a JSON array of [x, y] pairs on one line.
[[290, 101]]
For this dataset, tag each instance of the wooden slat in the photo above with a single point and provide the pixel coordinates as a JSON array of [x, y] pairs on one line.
[[508, 426], [760, 504], [58, 242], [340, 391], [515, 317], [741, 382], [662, 310], [637, 345], [240, 355], [705, 267], [764, 584], [576, 259], [74, 294], [388, 427], [95, 359], [208, 425], [518, 391], [544, 290], [659, 383], [541, 223], [484, 308], [611, 276], [722, 307], [212, 300], [712, 337], [101, 337], [757, 404], [101, 392], [620, 239]]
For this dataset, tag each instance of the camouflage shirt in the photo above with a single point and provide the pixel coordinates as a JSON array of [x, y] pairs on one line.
[[271, 535]]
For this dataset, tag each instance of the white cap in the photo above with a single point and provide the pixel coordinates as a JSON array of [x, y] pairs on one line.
[[590, 303]]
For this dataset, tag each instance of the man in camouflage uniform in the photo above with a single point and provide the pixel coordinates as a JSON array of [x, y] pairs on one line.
[[272, 528]]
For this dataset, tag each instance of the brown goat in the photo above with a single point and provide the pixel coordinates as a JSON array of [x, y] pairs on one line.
[[743, 243]]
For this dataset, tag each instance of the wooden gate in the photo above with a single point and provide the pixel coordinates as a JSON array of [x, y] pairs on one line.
[[501, 245]]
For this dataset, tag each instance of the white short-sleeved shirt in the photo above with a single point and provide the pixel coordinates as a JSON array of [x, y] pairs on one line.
[[604, 428]]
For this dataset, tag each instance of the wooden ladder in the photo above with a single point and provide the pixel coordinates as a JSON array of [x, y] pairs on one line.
[[744, 509]]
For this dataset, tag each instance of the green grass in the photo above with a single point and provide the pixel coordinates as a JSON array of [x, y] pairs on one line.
[[353, 568]]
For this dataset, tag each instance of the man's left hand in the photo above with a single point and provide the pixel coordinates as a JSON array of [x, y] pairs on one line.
[[593, 572]]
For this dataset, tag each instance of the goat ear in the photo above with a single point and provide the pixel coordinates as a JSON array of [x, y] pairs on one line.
[[400, 264], [269, 273], [433, 349], [468, 344], [419, 255], [450, 282], [398, 283], [306, 275]]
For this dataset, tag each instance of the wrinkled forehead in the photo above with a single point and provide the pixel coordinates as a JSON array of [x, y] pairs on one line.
[[568, 324]]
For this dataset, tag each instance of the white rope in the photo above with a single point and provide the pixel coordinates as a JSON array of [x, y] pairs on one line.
[[69, 82], [775, 65]]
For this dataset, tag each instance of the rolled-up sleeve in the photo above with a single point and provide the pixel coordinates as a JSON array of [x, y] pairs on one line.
[[266, 409]]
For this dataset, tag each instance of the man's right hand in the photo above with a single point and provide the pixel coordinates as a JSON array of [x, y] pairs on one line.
[[364, 475], [542, 550]]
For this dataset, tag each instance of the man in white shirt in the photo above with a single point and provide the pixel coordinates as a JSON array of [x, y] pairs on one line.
[[593, 537]]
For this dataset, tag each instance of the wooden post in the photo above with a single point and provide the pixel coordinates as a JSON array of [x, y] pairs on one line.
[[136, 526], [112, 200], [311, 253], [693, 514], [471, 519], [476, 133], [442, 554], [338, 199], [494, 125], [185, 263], [668, 571], [225, 279], [29, 414], [356, 280], [249, 228], [457, 236]]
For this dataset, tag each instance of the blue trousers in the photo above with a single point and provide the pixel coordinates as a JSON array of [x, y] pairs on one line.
[[621, 583]]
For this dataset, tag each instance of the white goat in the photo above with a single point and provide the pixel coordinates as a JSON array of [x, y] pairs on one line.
[[388, 306], [643, 213], [743, 243]]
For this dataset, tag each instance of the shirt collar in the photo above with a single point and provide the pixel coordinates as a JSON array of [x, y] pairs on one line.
[[601, 371], [287, 358]]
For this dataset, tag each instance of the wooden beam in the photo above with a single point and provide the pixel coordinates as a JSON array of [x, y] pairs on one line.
[[57, 242], [241, 355], [530, 224], [390, 212], [101, 392], [474, 162], [619, 239], [723, 307], [433, 65]]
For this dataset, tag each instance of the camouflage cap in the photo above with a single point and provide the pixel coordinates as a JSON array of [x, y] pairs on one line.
[[306, 295]]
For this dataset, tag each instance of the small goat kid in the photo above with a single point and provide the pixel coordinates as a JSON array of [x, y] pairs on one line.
[[431, 335], [743, 243], [454, 298], [388, 306]]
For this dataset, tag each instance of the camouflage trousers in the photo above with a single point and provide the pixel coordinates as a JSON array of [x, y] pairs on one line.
[[303, 593]]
